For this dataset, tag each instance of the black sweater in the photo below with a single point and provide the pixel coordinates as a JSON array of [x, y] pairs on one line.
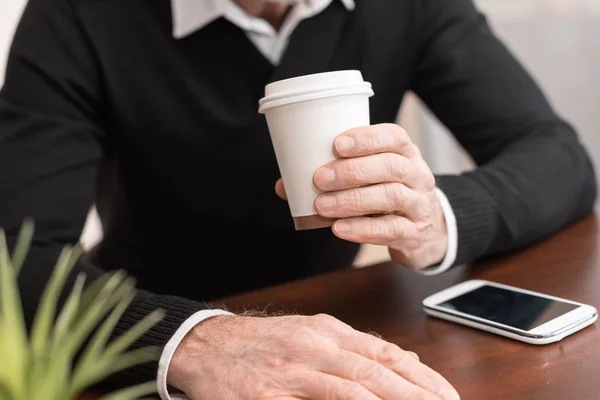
[[102, 105]]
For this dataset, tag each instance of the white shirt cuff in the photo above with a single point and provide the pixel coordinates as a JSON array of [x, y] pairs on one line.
[[452, 231], [171, 346]]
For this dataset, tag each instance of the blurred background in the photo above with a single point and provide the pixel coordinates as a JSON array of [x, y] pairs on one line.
[[558, 41]]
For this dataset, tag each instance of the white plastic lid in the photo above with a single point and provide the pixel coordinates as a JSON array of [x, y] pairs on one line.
[[312, 87]]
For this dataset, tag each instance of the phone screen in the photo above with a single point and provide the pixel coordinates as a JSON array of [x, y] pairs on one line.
[[518, 310]]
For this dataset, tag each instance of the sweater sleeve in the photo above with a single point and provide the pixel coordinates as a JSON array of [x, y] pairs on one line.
[[534, 177], [51, 142]]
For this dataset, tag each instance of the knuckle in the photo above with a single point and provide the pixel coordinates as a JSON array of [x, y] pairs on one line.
[[388, 229], [416, 150], [422, 227], [347, 391], [357, 197], [379, 231], [372, 137], [371, 231], [411, 150], [325, 319], [351, 199], [290, 378], [370, 372], [403, 357], [389, 354], [261, 389], [429, 182], [394, 229], [398, 134], [426, 211], [305, 337], [397, 165], [278, 362], [402, 361], [413, 355], [355, 171], [394, 194]]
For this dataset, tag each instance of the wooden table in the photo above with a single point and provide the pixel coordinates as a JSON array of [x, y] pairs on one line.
[[387, 299]]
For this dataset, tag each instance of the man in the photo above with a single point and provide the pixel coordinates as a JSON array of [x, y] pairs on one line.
[[149, 110]]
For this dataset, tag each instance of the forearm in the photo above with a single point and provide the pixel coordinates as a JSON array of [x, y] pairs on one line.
[[537, 184], [534, 176]]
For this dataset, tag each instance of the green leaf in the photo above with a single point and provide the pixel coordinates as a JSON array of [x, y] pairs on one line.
[[95, 373], [44, 368], [48, 380], [46, 311], [133, 392], [4, 392], [14, 334], [69, 311], [113, 290], [94, 288], [3, 360], [128, 338], [23, 242], [98, 342], [131, 359]]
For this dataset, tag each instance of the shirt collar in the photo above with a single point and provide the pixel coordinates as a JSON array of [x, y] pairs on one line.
[[192, 15]]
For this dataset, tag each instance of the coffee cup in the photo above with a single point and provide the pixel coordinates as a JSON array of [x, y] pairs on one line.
[[304, 115]]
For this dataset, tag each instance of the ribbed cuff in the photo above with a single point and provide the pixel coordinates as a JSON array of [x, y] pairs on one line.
[[177, 311], [476, 216]]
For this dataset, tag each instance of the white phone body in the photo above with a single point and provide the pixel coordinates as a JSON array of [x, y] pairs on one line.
[[551, 331]]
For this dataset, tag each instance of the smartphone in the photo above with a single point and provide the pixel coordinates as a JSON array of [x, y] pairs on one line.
[[509, 311]]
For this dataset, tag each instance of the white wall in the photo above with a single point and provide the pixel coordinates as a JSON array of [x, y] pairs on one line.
[[10, 11]]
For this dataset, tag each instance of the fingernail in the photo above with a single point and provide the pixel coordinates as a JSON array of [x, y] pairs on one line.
[[344, 144], [325, 202], [324, 176], [342, 227]]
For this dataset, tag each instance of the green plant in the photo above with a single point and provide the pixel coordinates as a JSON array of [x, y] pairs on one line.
[[65, 352]]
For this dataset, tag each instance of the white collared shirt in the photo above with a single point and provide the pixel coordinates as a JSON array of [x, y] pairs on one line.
[[190, 16]]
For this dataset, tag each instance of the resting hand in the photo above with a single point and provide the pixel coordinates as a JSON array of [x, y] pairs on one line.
[[298, 357]]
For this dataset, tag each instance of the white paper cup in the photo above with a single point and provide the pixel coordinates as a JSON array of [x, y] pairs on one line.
[[304, 115]]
